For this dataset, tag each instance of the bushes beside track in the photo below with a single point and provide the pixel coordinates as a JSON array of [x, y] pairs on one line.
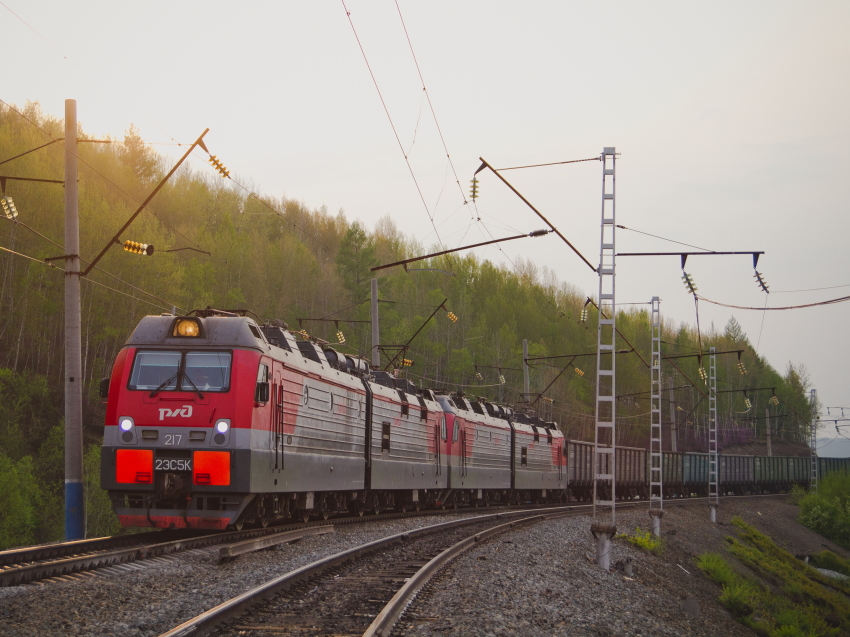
[[828, 511]]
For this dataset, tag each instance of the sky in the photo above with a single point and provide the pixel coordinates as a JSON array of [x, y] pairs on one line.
[[731, 120]]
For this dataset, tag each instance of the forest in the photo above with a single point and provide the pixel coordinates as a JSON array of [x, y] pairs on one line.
[[218, 244]]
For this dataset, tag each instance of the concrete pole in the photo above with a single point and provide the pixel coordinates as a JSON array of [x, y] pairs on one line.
[[674, 428], [767, 429], [376, 354], [74, 503], [526, 383]]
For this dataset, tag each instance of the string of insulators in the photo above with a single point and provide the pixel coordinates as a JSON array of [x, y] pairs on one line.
[[762, 284], [501, 379], [689, 282], [406, 362], [546, 399], [742, 368], [579, 372], [656, 362], [340, 337], [138, 248], [478, 376], [539, 233], [216, 163], [748, 403], [304, 334], [452, 317], [774, 399], [473, 191], [583, 318], [703, 375], [9, 210]]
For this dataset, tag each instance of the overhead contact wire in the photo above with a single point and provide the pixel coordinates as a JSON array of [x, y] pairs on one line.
[[392, 125], [430, 105]]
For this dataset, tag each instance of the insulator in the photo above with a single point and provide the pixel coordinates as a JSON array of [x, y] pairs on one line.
[[702, 374], [406, 362], [340, 337], [473, 192], [138, 248], [742, 368], [501, 379], [761, 282], [579, 372], [219, 166], [452, 317], [538, 233], [584, 315], [689, 282], [478, 376], [748, 403], [774, 399], [9, 210]]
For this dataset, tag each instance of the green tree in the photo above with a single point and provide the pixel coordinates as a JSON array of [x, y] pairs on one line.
[[355, 258]]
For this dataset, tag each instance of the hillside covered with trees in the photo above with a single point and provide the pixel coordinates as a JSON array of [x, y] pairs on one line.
[[219, 245]]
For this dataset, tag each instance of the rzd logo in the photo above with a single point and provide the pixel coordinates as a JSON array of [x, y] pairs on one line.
[[185, 412]]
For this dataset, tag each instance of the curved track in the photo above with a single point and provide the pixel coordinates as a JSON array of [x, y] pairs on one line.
[[356, 581]]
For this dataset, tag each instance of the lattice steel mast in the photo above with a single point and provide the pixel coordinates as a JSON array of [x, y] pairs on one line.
[[656, 492], [605, 439], [713, 490], [813, 442]]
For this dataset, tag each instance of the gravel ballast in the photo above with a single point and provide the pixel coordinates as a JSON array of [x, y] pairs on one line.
[[539, 580], [544, 581], [154, 596]]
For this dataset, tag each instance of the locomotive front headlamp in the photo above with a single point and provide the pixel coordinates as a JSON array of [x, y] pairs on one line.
[[222, 426], [186, 327], [125, 424]]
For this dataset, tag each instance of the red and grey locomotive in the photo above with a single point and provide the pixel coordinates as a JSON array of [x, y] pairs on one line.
[[213, 420]]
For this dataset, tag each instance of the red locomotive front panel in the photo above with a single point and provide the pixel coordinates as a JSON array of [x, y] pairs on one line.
[[180, 402]]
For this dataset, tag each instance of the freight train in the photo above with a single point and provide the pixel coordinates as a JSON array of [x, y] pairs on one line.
[[214, 420]]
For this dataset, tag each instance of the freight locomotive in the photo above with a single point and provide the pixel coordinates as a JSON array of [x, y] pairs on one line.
[[215, 420]]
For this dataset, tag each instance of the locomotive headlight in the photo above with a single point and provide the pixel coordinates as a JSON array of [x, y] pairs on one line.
[[222, 432], [186, 327], [127, 429]]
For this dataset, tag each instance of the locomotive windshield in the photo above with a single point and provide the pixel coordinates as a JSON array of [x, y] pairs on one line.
[[181, 371]]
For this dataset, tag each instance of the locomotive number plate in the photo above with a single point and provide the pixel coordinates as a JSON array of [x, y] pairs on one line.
[[173, 464], [173, 440]]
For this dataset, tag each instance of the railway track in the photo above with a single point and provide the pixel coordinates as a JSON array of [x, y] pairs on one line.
[[365, 590], [33, 564]]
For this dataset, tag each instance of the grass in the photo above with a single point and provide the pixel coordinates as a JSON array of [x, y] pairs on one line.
[[828, 511], [645, 540], [789, 599]]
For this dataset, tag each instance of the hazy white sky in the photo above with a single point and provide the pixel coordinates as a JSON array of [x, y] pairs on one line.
[[732, 121]]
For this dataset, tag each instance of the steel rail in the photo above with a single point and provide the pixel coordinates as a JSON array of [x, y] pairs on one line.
[[392, 612], [17, 567], [207, 621]]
